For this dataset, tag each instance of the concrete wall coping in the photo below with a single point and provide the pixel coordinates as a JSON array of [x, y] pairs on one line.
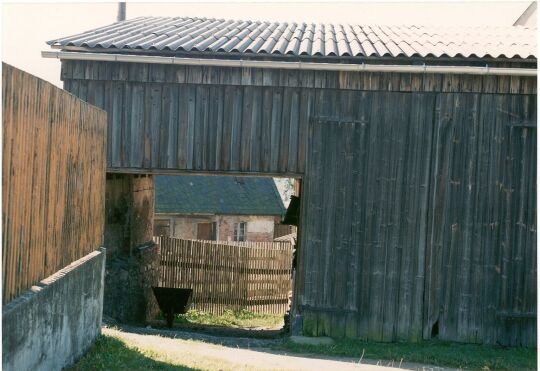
[[45, 283]]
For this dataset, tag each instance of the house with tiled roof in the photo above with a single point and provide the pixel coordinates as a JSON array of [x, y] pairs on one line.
[[222, 208]]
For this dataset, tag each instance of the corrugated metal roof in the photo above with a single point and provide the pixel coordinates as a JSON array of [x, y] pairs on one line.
[[187, 34], [217, 195]]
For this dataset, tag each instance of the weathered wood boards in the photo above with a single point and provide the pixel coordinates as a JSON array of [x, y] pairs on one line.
[[251, 275], [363, 253], [481, 261], [419, 220], [235, 76], [53, 179], [166, 118]]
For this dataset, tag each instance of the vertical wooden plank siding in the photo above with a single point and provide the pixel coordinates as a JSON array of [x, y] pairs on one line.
[[368, 240], [53, 180], [224, 275], [441, 222], [218, 106], [482, 224]]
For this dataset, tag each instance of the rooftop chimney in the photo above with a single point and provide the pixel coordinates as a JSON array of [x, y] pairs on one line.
[[121, 12]]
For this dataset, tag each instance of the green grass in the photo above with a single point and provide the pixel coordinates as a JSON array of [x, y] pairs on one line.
[[110, 353], [436, 353], [239, 319]]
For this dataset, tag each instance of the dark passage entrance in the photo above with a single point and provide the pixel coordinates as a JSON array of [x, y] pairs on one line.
[[221, 244]]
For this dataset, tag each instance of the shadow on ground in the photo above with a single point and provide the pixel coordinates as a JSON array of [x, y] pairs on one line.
[[231, 337], [112, 354], [221, 330]]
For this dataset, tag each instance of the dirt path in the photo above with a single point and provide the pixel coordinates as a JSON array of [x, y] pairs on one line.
[[221, 353]]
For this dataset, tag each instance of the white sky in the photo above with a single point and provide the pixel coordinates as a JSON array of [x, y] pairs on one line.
[[26, 26]]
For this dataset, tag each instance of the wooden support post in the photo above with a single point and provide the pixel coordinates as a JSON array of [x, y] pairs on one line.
[[132, 256]]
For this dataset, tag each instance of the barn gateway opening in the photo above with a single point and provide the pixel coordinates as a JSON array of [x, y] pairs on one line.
[[231, 241]]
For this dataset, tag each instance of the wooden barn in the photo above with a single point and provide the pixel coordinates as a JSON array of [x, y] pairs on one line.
[[415, 146]]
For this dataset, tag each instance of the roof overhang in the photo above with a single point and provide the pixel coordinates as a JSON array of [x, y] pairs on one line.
[[418, 59], [298, 65]]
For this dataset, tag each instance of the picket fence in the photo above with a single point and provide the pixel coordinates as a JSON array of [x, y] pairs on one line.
[[229, 275]]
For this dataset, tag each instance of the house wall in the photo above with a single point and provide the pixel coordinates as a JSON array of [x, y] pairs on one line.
[[186, 226], [259, 227], [417, 213]]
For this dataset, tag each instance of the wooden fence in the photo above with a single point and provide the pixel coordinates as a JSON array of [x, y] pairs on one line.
[[229, 275], [53, 179]]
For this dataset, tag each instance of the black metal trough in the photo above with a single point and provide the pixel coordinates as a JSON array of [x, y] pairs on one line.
[[172, 301]]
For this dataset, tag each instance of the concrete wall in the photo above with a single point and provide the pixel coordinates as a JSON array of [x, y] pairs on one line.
[[55, 322], [259, 227]]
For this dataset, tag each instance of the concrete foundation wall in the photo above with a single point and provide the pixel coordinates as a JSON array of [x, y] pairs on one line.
[[55, 322]]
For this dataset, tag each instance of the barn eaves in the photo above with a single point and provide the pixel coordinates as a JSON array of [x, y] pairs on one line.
[[469, 70], [218, 42]]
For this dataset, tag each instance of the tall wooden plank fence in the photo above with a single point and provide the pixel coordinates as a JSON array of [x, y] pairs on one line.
[[229, 275], [53, 179]]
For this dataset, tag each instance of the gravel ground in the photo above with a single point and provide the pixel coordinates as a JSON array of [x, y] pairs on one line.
[[211, 352], [217, 337]]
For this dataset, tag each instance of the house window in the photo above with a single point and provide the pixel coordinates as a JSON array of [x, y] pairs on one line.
[[162, 227], [240, 231], [214, 231], [206, 231]]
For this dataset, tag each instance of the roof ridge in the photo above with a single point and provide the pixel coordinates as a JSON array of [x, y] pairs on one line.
[[370, 24]]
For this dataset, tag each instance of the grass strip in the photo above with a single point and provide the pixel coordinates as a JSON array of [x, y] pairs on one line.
[[436, 353], [231, 318]]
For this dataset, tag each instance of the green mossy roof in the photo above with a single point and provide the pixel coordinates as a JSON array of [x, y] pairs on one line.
[[217, 195]]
